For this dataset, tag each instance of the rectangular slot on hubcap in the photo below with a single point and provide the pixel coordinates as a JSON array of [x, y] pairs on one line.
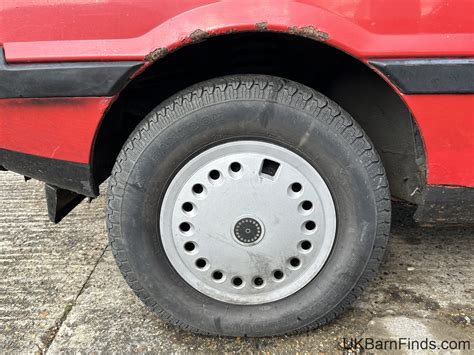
[[269, 167]]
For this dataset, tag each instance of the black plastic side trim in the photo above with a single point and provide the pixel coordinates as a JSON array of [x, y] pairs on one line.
[[446, 205], [429, 76], [64, 174], [64, 79]]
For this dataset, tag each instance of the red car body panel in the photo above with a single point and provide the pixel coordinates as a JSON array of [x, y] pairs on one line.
[[58, 128], [448, 138], [86, 30], [369, 28], [447, 126]]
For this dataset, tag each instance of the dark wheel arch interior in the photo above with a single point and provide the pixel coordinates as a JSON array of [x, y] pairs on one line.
[[353, 85]]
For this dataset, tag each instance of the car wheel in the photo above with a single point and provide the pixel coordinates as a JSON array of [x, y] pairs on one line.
[[248, 206]]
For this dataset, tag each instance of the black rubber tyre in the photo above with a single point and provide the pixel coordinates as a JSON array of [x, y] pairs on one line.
[[249, 107]]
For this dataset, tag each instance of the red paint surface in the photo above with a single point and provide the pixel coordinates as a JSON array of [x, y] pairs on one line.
[[447, 126], [65, 129], [53, 30], [59, 128]]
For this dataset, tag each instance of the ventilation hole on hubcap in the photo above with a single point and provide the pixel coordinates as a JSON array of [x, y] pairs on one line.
[[235, 170], [201, 263], [187, 207], [258, 281], [305, 245], [305, 207], [198, 189], [189, 246], [296, 187], [295, 262], [237, 281], [185, 227], [278, 274], [310, 225], [295, 190], [217, 275], [235, 167], [214, 175]]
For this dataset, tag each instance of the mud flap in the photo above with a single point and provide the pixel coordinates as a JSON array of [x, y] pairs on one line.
[[60, 202]]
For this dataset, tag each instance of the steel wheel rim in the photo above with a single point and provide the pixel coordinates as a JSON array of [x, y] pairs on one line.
[[237, 233]]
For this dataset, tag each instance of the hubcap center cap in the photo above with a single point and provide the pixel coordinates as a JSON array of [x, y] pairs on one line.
[[248, 231]]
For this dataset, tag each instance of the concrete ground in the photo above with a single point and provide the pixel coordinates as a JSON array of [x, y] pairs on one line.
[[61, 290]]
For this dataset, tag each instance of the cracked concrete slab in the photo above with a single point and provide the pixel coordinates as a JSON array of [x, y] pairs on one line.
[[115, 320], [424, 288], [43, 266]]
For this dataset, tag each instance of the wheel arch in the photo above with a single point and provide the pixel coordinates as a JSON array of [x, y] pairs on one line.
[[376, 106]]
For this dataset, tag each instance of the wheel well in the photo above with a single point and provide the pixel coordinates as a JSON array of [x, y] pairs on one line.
[[354, 86]]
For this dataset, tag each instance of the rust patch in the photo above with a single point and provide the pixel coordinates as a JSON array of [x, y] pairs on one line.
[[156, 54], [293, 30], [195, 37], [261, 26], [309, 32], [198, 36]]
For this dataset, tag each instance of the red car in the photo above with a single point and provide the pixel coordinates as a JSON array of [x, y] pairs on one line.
[[253, 147]]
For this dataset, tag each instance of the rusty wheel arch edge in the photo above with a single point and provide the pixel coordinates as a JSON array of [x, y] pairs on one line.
[[199, 35], [309, 32]]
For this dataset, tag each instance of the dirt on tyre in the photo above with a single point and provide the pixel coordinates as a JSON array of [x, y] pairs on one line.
[[248, 206]]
